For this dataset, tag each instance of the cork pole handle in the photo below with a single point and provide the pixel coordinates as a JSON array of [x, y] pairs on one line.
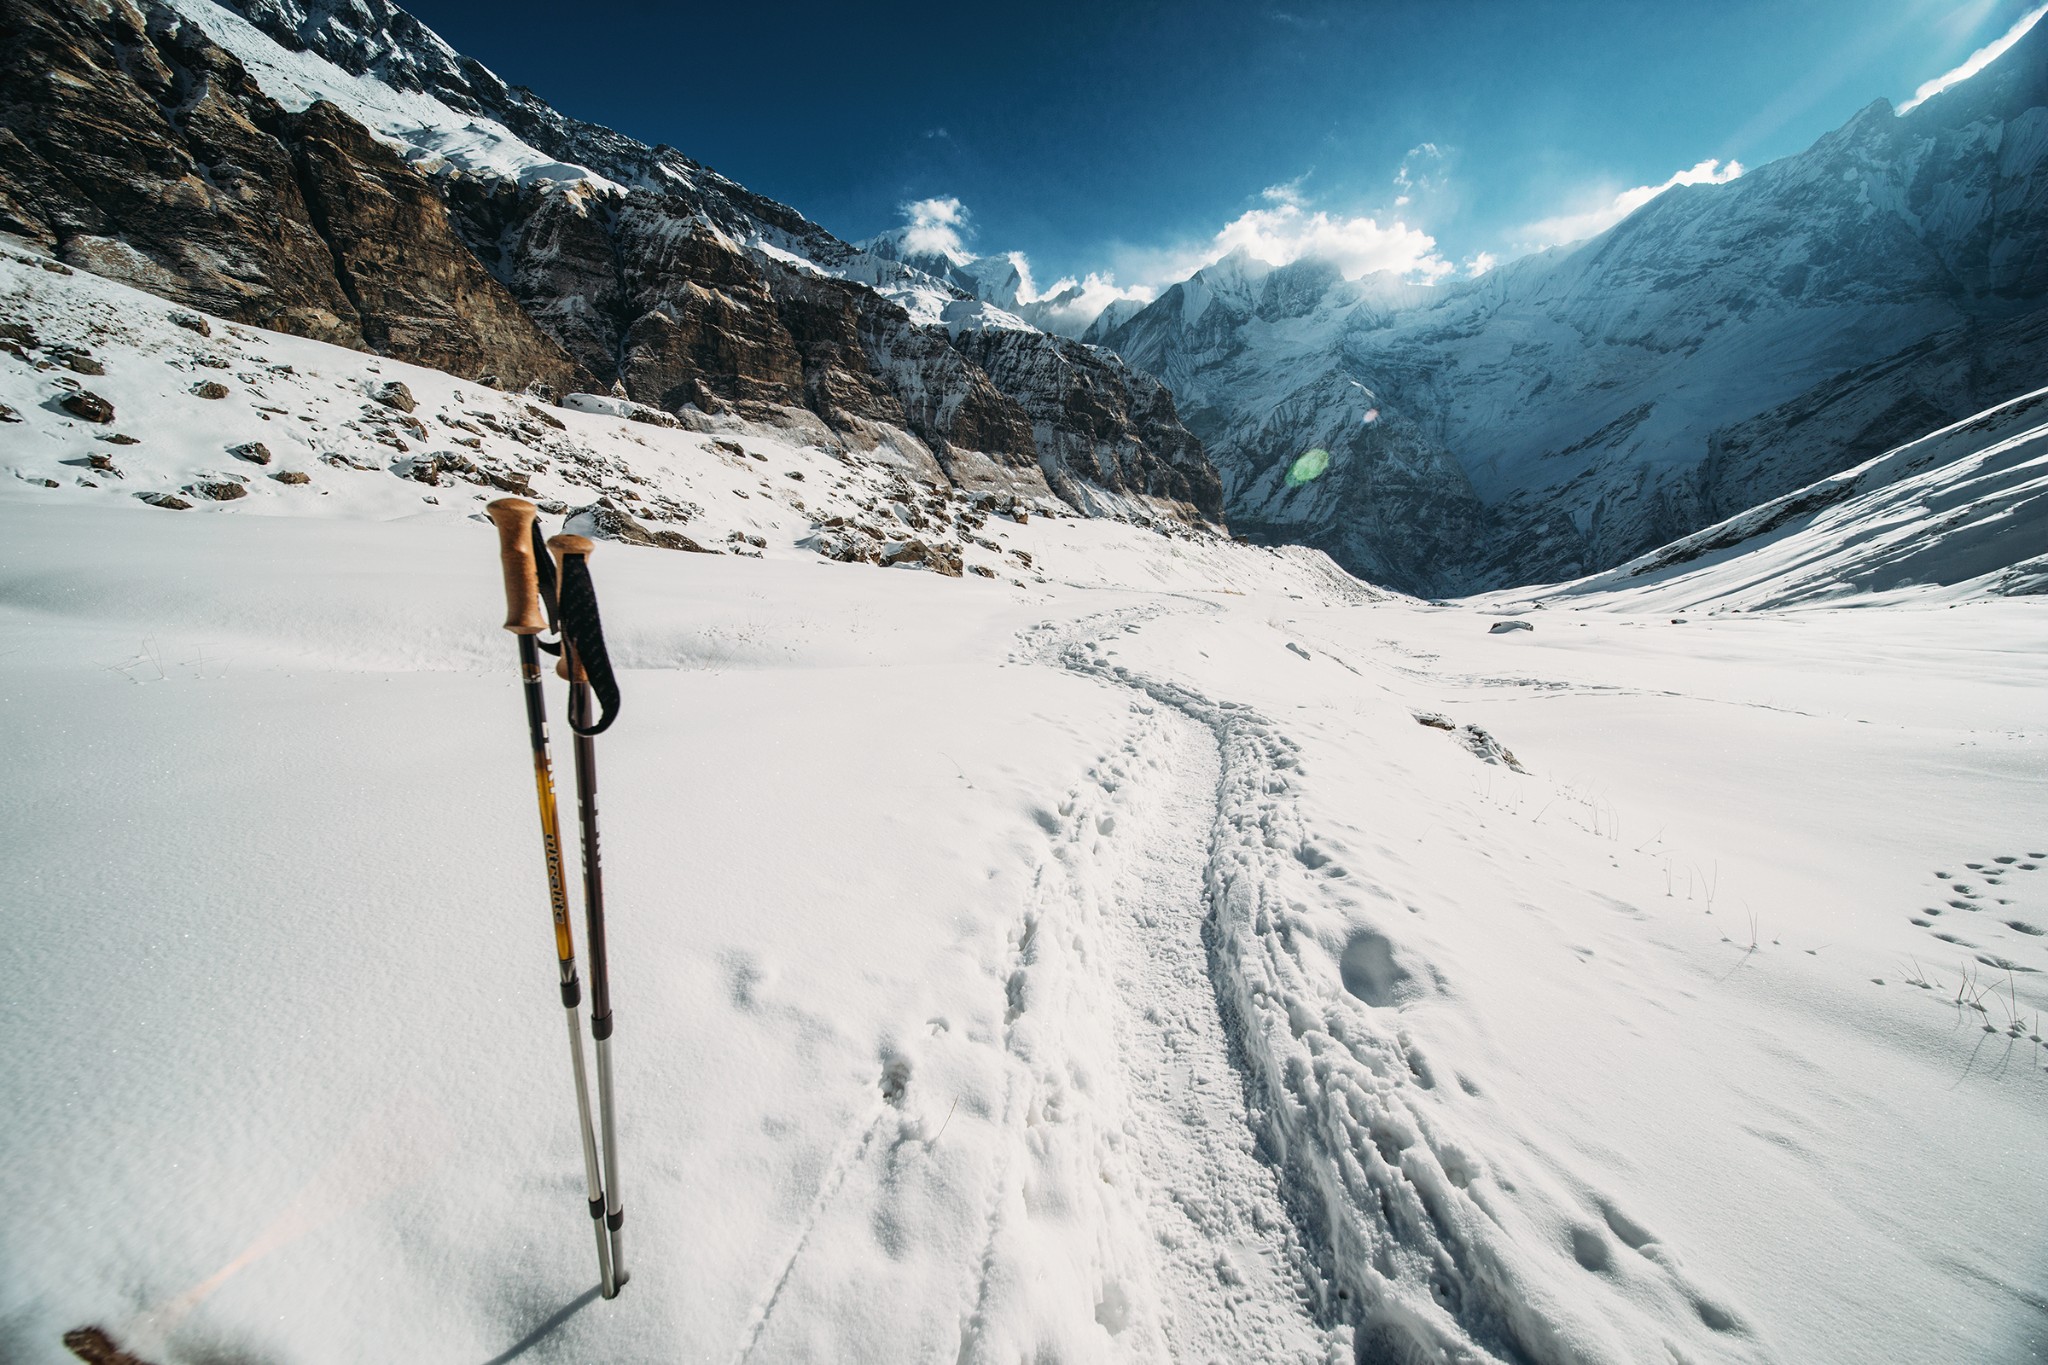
[[562, 547], [514, 518]]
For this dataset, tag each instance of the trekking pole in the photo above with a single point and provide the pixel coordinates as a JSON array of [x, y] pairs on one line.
[[515, 520], [585, 664]]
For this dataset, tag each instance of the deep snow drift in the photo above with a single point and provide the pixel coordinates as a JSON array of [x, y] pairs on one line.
[[1148, 952]]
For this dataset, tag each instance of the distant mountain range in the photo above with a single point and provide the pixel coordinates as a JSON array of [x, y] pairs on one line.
[[1724, 344]]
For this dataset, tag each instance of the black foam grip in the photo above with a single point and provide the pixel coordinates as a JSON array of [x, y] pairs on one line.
[[584, 631]]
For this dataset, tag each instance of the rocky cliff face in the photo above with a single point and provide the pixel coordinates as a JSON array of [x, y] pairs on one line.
[[1097, 422], [1573, 409], [138, 148], [336, 170]]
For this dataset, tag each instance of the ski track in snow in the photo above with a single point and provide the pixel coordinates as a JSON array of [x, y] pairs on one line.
[[849, 1156], [1399, 1243]]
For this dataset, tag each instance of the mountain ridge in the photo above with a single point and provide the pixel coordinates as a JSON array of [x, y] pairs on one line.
[[588, 258], [1562, 413]]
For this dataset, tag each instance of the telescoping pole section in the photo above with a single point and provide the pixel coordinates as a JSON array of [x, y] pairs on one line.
[[565, 548], [514, 518]]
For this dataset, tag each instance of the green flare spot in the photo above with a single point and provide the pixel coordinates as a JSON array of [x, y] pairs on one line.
[[1308, 468]]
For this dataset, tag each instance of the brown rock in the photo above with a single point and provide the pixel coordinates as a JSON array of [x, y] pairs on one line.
[[168, 501], [210, 388], [394, 394], [609, 522], [8, 414], [292, 476], [87, 406], [255, 452], [192, 322], [95, 1347], [217, 490], [80, 362]]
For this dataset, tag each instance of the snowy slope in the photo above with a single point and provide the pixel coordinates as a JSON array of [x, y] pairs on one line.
[[1099, 963], [1955, 515]]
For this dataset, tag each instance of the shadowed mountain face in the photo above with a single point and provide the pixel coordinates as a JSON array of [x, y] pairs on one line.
[[337, 171], [1724, 344]]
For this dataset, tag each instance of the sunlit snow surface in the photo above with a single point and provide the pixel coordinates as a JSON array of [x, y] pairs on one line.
[[1101, 968]]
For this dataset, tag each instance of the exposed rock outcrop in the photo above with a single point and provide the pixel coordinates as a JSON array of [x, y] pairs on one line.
[[135, 146]]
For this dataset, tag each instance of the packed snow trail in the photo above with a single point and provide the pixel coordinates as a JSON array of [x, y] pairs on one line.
[[1118, 939], [1404, 1237]]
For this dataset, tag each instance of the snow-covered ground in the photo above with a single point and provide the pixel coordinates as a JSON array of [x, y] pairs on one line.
[[1115, 958]]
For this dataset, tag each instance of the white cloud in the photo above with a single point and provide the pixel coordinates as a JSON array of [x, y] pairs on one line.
[[1575, 227], [934, 227], [1981, 58], [1288, 232], [1420, 169], [1479, 264], [1285, 228], [1069, 305]]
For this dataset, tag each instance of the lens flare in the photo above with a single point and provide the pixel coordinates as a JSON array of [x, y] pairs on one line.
[[1371, 415], [1308, 468]]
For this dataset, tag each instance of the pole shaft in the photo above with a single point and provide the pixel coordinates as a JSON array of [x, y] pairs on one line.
[[607, 1273], [615, 1212], [565, 949], [585, 750]]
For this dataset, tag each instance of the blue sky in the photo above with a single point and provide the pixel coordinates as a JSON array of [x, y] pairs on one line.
[[1124, 138]]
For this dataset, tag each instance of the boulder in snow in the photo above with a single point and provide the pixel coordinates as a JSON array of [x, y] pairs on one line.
[[602, 521], [607, 406], [1503, 627], [87, 406]]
